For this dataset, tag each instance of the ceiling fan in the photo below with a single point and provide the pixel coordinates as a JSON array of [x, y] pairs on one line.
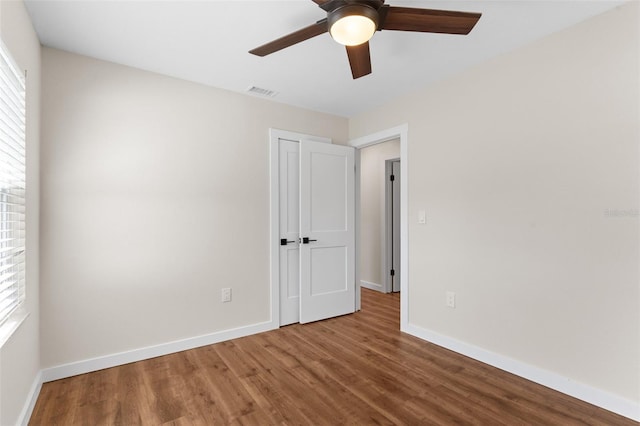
[[353, 22]]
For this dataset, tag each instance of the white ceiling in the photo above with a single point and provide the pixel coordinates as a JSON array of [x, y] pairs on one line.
[[207, 42]]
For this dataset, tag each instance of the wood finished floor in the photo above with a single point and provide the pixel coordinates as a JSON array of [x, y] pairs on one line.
[[357, 369]]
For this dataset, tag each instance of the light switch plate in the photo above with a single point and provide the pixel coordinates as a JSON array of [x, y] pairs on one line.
[[422, 216]]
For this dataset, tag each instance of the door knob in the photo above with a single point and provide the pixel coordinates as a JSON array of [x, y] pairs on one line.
[[284, 241], [306, 240]]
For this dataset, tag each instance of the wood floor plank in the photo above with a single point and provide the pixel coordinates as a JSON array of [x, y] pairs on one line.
[[357, 369], [287, 381]]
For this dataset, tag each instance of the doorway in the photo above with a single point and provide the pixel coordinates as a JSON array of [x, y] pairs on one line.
[[377, 182], [401, 132]]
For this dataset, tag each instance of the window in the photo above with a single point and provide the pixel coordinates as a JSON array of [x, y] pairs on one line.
[[12, 185]]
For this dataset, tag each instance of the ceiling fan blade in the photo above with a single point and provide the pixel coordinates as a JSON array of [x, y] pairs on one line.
[[295, 37], [359, 59], [320, 2], [427, 20]]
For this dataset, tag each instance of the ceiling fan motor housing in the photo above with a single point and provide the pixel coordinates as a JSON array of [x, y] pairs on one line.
[[350, 11]]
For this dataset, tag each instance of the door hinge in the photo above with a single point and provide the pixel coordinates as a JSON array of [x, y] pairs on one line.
[[393, 272], [392, 178]]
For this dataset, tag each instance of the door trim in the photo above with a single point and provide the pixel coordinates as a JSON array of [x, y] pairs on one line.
[[274, 212], [401, 132]]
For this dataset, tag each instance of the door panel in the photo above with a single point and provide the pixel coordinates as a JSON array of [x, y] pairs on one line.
[[293, 278], [327, 218], [292, 183], [328, 280], [328, 192]]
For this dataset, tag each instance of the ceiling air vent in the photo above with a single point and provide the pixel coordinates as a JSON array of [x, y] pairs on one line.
[[262, 92]]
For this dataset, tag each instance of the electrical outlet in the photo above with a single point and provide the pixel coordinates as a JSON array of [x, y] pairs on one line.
[[451, 299], [226, 295]]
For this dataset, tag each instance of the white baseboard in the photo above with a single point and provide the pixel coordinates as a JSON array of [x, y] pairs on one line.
[[586, 393], [113, 360], [372, 286], [30, 403]]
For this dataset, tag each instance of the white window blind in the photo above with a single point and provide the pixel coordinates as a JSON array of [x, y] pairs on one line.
[[12, 185]]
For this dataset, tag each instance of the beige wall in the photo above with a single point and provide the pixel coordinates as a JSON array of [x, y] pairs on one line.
[[372, 206], [155, 196], [19, 357], [517, 163]]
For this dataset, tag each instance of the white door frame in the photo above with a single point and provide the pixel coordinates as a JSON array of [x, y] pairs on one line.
[[274, 213], [401, 132]]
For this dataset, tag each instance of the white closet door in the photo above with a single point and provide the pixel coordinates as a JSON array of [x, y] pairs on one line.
[[289, 166], [327, 227]]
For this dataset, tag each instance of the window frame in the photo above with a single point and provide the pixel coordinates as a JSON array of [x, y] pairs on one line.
[[13, 118]]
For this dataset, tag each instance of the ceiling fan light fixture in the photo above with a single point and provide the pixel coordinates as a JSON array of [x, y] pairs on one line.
[[353, 24]]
